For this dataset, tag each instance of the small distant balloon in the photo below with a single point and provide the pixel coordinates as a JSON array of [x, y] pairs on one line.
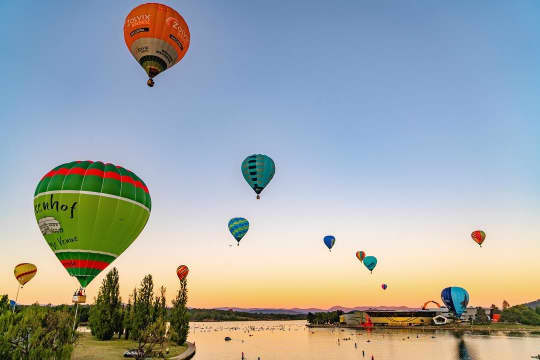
[[24, 272], [182, 271], [329, 241], [384, 286], [238, 227], [370, 262], [258, 170], [456, 299], [478, 236], [360, 255]]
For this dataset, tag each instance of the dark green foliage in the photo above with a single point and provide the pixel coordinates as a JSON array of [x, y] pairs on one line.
[[35, 332], [128, 314], [322, 318], [142, 307], [481, 317], [106, 315], [521, 314], [180, 316], [151, 340], [160, 306]]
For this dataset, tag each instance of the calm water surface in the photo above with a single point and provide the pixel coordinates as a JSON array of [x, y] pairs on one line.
[[288, 340]]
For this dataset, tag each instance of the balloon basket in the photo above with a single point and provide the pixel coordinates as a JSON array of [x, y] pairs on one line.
[[79, 297]]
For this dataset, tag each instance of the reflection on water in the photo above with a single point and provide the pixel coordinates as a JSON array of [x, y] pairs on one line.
[[288, 340]]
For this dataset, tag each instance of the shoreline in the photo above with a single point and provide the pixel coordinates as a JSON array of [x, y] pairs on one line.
[[529, 329]]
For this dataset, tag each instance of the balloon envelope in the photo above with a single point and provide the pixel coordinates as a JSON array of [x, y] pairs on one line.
[[478, 236], [24, 272], [238, 227], [157, 36], [370, 262], [456, 299], [384, 286], [258, 170], [89, 213], [360, 255], [329, 241], [182, 271]]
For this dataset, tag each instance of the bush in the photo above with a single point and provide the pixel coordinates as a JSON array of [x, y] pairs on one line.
[[36, 333]]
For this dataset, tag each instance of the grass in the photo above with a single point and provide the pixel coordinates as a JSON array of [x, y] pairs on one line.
[[89, 348]]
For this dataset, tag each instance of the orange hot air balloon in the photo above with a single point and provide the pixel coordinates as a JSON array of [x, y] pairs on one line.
[[361, 255], [25, 272], [478, 236], [157, 36], [182, 272]]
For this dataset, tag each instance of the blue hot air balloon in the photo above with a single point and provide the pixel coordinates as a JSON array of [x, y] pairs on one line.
[[258, 170], [238, 227], [329, 241], [455, 299], [370, 262]]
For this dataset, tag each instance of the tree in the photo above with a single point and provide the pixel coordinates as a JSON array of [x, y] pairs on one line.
[[127, 319], [160, 305], [151, 337], [505, 305], [179, 315], [36, 333], [142, 307], [105, 316], [310, 318], [521, 314], [481, 316]]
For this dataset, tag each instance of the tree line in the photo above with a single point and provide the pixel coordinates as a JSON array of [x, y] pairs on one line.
[[324, 318], [521, 314], [229, 315]]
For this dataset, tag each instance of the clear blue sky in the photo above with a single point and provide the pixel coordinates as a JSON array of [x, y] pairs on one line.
[[400, 127]]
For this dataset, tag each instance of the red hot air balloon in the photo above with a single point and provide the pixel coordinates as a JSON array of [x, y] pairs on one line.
[[384, 286], [182, 272], [478, 236], [361, 255]]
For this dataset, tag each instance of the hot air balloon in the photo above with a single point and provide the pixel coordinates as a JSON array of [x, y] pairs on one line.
[[370, 262], [360, 255], [455, 299], [238, 227], [329, 241], [182, 271], [384, 286], [89, 213], [478, 236], [258, 170], [23, 273], [157, 36]]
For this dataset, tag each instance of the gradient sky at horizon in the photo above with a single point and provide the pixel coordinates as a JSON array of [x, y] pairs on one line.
[[398, 127]]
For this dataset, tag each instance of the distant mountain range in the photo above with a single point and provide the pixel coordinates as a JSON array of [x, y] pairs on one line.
[[296, 311]]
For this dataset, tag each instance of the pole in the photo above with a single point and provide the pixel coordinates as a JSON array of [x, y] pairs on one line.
[[75, 320], [16, 298]]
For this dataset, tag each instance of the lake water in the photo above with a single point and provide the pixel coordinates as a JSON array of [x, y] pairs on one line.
[[288, 340]]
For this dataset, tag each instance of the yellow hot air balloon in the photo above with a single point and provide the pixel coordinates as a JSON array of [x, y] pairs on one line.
[[25, 272]]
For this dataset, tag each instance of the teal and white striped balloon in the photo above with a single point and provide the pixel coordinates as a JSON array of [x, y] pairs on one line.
[[238, 227], [258, 170]]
